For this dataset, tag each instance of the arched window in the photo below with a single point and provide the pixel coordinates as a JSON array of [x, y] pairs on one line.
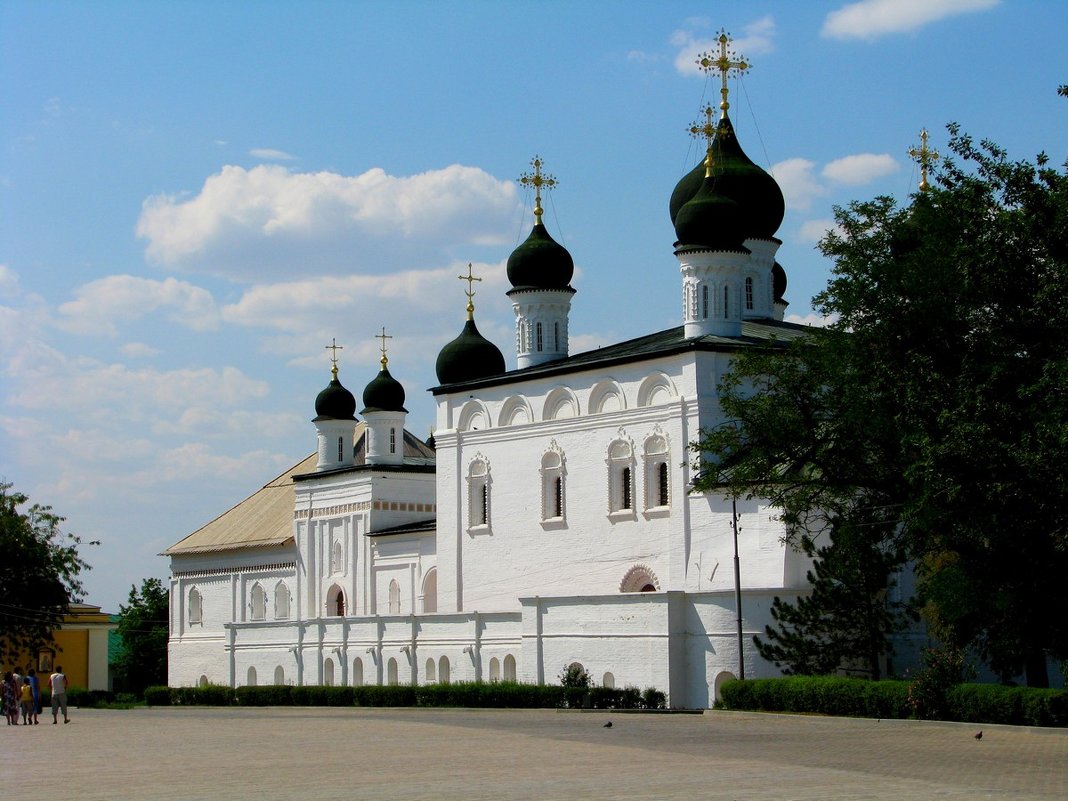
[[639, 579], [340, 448], [335, 602], [258, 602], [281, 601], [608, 680], [393, 440], [203, 681], [552, 485], [394, 598], [620, 477], [391, 671], [657, 475], [509, 668], [556, 337], [662, 484], [357, 672], [279, 675], [495, 669], [250, 680], [328, 672], [726, 302], [431, 672], [478, 494], [749, 293], [336, 558], [430, 591], [538, 335], [196, 606], [704, 301], [443, 670]]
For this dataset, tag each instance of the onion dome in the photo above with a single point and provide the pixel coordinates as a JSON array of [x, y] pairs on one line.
[[335, 402], [737, 177], [468, 357], [778, 282], [540, 262], [710, 219], [384, 393]]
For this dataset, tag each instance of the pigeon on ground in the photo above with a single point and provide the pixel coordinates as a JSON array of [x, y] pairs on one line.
[[978, 735], [608, 725]]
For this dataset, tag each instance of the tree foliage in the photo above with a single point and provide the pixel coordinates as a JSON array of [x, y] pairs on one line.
[[39, 574], [143, 627], [932, 415]]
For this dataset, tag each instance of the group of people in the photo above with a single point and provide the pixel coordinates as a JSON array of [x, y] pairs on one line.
[[22, 695]]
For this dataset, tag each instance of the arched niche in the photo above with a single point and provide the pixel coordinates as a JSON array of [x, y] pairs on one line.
[[561, 404], [474, 416], [607, 396], [656, 389], [515, 412]]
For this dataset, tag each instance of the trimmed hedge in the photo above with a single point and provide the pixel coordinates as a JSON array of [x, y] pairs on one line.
[[850, 697]]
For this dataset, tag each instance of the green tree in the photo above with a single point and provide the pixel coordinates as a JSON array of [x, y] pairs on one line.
[[143, 627], [933, 414], [40, 573]]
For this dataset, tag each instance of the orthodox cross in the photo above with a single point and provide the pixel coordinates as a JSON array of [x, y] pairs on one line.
[[470, 278], [334, 347], [708, 131], [925, 157], [727, 63], [383, 336], [537, 180]]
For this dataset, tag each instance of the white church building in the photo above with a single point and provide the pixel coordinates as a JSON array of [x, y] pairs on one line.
[[549, 521]]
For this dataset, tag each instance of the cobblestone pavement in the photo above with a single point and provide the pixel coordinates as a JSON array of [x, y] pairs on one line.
[[324, 753]]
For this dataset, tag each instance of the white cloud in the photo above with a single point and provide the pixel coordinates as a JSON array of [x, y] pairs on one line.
[[814, 230], [9, 281], [270, 154], [139, 350], [870, 19], [270, 221], [860, 169], [123, 298], [758, 37], [797, 180], [813, 319]]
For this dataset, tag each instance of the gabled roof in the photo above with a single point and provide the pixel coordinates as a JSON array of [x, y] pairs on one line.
[[265, 518], [651, 346]]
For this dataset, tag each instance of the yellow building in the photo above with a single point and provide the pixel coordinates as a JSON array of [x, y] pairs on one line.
[[80, 647]]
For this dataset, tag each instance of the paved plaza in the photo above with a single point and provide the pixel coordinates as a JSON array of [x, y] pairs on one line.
[[315, 754]]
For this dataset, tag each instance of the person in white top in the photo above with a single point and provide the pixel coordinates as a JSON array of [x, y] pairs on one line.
[[59, 694]]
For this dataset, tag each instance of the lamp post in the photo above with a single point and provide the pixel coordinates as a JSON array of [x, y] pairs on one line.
[[738, 588]]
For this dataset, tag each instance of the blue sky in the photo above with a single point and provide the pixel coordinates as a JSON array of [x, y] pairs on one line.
[[195, 197]]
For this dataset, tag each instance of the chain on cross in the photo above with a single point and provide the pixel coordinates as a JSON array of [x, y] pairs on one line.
[[925, 157], [727, 63], [383, 336], [334, 348], [538, 180], [470, 278]]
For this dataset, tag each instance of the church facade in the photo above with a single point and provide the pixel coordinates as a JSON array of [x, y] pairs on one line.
[[549, 522]]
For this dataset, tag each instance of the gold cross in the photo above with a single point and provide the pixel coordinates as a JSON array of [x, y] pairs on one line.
[[537, 180], [925, 157], [333, 346], [470, 278], [383, 336], [708, 131], [725, 64]]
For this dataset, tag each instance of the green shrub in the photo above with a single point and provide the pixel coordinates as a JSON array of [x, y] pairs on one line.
[[158, 696], [385, 695], [208, 695], [828, 695], [943, 669], [653, 698], [267, 695]]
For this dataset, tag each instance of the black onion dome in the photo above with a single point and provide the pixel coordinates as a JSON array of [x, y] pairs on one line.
[[468, 357], [740, 179], [710, 220], [778, 281], [335, 402], [383, 394], [540, 262]]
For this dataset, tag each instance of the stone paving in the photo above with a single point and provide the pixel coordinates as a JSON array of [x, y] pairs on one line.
[[354, 753]]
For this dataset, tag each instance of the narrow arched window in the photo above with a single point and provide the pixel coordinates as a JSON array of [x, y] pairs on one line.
[[430, 674], [281, 601], [393, 440], [749, 293], [556, 336], [443, 670], [196, 606], [391, 671], [478, 497], [726, 302], [509, 668], [704, 301], [394, 597], [620, 477], [558, 497], [258, 602], [357, 672], [340, 448], [538, 335], [279, 675], [552, 473], [250, 680], [495, 669], [335, 558], [625, 489], [662, 484]]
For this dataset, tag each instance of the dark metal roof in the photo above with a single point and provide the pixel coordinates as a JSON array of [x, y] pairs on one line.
[[418, 527], [755, 333]]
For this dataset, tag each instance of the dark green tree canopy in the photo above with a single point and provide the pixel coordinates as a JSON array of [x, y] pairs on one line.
[[144, 629], [933, 413], [40, 572]]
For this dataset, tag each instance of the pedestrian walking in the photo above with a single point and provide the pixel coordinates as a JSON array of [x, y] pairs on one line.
[[58, 681]]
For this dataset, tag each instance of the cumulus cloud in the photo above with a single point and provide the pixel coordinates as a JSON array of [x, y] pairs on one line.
[[9, 281], [860, 169], [797, 179], [139, 350], [100, 304], [692, 41], [870, 19], [814, 230], [270, 154], [813, 319], [269, 221]]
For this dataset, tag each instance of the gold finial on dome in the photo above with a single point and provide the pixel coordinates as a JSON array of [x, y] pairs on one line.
[[537, 180], [470, 278], [334, 347], [925, 157], [708, 132], [726, 63], [383, 336]]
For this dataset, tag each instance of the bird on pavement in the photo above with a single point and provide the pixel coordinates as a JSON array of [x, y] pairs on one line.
[[608, 725], [978, 735]]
